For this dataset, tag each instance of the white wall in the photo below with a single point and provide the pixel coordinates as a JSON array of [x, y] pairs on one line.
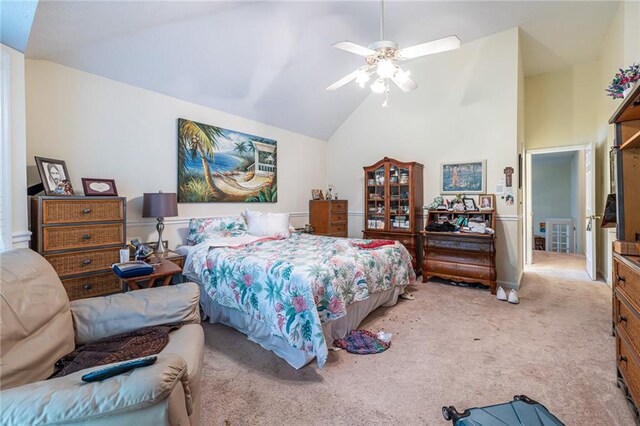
[[465, 109], [17, 136], [106, 129]]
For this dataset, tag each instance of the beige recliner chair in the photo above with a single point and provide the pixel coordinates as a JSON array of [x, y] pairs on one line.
[[39, 325]]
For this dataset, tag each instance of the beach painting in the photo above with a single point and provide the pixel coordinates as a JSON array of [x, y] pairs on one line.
[[463, 178], [221, 165]]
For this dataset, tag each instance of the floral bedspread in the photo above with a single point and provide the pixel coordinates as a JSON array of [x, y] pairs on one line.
[[298, 283]]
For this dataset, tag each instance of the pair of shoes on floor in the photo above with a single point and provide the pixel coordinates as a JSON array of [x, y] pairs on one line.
[[406, 295], [513, 296]]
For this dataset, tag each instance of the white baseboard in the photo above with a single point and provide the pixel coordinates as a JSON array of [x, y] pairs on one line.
[[21, 237]]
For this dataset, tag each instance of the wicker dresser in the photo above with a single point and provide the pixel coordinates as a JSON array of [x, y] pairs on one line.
[[81, 237], [329, 217]]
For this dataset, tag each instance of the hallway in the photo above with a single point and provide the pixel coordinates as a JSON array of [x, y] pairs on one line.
[[573, 265]]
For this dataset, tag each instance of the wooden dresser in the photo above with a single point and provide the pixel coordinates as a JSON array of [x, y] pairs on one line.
[[329, 217], [626, 310], [81, 237], [460, 256], [626, 263]]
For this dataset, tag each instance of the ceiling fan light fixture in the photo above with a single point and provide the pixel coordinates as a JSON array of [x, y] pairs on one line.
[[402, 76], [363, 78], [378, 86], [386, 68]]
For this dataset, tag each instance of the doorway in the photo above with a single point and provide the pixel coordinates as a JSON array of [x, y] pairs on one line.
[[559, 198]]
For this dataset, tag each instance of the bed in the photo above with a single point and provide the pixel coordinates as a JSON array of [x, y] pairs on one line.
[[294, 294]]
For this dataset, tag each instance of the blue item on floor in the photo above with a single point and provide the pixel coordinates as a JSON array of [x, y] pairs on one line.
[[522, 411]]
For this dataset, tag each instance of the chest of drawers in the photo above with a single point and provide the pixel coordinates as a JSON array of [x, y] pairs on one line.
[[329, 217], [626, 319], [460, 257], [81, 237]]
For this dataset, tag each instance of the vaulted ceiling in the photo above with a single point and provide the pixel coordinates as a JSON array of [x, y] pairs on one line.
[[271, 61]]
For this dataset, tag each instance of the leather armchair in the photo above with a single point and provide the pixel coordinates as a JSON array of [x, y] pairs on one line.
[[39, 325]]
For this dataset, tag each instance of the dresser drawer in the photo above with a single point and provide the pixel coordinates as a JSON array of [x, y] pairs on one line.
[[80, 262], [627, 280], [338, 229], [472, 258], [338, 207], [92, 285], [71, 237], [628, 366], [70, 211], [459, 270], [484, 245], [338, 217]]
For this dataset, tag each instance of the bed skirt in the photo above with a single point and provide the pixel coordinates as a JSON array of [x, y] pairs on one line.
[[260, 332]]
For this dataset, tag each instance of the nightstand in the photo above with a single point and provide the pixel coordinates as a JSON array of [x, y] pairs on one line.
[[172, 256], [164, 271]]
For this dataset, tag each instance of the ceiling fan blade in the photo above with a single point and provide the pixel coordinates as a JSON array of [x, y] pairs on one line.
[[354, 48], [429, 48], [344, 80], [405, 83]]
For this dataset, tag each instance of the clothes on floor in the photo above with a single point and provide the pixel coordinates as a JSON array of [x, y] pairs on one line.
[[362, 342]]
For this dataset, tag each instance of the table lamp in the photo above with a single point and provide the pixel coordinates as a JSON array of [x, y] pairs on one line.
[[160, 205]]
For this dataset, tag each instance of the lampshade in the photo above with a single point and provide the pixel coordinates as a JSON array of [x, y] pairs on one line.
[[160, 204]]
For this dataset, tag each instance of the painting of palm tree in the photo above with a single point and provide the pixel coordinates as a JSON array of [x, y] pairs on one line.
[[221, 165]]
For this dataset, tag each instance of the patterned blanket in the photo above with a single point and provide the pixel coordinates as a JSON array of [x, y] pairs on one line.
[[296, 284]]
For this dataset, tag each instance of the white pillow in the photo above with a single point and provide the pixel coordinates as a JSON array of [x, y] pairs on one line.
[[267, 224]]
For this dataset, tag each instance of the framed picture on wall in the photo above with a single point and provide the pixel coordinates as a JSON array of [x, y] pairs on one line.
[[463, 178]]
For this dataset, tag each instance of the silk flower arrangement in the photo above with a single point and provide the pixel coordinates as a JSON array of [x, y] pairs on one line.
[[623, 80]]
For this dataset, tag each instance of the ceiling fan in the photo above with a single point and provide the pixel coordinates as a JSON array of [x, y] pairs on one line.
[[381, 58]]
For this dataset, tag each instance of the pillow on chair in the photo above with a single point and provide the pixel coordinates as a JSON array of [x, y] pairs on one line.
[[267, 224]]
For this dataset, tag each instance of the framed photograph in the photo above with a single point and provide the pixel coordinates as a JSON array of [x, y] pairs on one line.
[[487, 202], [54, 176], [470, 204], [463, 178], [316, 194], [95, 186]]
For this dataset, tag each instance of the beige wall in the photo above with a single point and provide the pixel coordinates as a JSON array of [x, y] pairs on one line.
[[570, 107], [17, 136], [465, 109], [561, 107], [106, 129]]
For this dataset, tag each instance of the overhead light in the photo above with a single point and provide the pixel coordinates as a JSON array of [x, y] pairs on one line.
[[363, 78], [402, 76], [386, 68], [378, 86], [382, 58]]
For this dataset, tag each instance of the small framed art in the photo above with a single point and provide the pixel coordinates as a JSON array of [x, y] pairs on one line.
[[95, 186], [54, 176], [316, 194], [487, 202], [469, 204]]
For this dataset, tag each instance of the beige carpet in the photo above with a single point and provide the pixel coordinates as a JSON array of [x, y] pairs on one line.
[[451, 346]]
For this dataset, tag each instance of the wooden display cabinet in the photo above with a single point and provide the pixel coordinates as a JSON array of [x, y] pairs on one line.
[[393, 194]]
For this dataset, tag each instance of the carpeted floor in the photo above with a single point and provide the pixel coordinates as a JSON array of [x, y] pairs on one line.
[[451, 346]]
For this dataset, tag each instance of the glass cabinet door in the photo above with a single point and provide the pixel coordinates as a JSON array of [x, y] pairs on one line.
[[376, 198], [399, 202]]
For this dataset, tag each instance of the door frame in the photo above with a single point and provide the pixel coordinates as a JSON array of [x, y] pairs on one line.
[[528, 212]]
